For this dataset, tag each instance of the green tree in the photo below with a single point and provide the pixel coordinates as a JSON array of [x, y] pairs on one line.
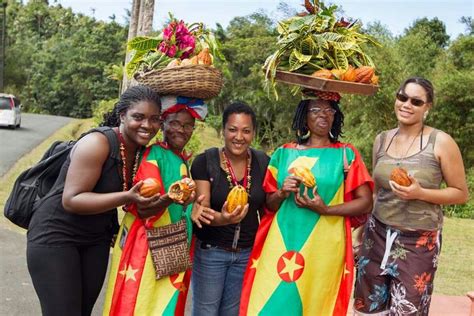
[[434, 29], [56, 59]]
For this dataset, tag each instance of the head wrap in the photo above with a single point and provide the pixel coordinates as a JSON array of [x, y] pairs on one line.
[[323, 95], [173, 104]]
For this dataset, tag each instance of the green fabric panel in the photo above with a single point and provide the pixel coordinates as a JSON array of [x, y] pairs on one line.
[[284, 301], [328, 171]]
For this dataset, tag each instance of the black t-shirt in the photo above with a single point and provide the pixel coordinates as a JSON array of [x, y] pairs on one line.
[[223, 235], [52, 225]]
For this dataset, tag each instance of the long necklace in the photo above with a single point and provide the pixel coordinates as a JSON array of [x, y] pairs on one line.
[[401, 158], [125, 172], [232, 179]]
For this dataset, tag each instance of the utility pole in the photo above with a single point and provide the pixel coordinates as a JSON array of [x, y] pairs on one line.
[[3, 42]]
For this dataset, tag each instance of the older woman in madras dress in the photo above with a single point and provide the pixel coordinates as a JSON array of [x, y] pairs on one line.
[[302, 261]]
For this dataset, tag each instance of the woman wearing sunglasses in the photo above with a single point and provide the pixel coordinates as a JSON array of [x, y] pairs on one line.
[[402, 241]]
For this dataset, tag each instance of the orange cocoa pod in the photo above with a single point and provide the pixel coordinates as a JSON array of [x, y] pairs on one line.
[[323, 73], [204, 57], [364, 74], [180, 190], [400, 176], [237, 196], [374, 80], [306, 175], [349, 74], [150, 187]]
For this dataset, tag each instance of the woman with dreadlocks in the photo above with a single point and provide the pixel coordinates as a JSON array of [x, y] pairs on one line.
[[302, 263]]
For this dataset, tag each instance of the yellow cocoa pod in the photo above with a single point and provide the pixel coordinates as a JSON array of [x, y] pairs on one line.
[[186, 62], [306, 175], [180, 190], [174, 63], [338, 73], [237, 196], [194, 60], [374, 80], [323, 73]]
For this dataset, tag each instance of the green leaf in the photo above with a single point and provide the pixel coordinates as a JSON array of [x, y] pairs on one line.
[[301, 57], [341, 59], [134, 62], [142, 43]]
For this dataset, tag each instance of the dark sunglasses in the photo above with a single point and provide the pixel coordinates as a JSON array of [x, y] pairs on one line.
[[414, 101]]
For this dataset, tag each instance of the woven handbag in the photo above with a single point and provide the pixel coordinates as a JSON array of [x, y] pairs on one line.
[[169, 248], [194, 81]]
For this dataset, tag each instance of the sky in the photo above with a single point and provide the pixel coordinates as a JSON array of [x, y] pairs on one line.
[[396, 15]]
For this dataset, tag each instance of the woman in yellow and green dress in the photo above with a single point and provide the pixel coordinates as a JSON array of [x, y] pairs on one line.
[[133, 288], [301, 263]]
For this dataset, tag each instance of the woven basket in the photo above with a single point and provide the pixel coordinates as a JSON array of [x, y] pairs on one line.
[[195, 81]]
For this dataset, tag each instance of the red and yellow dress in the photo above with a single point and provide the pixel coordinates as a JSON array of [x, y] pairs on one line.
[[132, 287], [302, 263]]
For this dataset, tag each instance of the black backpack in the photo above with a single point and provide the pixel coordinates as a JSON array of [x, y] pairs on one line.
[[37, 181]]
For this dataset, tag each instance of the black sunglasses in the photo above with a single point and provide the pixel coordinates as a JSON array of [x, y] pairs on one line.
[[414, 101]]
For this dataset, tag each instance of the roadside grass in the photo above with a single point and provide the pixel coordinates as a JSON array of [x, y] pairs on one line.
[[69, 131], [455, 275]]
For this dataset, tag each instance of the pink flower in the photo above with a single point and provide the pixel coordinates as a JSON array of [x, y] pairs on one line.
[[167, 33], [181, 29], [172, 51], [163, 47]]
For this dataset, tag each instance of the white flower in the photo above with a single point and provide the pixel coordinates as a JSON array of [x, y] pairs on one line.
[[400, 306]]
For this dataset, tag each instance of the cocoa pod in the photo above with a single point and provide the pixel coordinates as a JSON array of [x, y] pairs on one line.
[[237, 196], [400, 176], [180, 190], [150, 187], [349, 74], [306, 176], [338, 73], [364, 74], [204, 57], [323, 73]]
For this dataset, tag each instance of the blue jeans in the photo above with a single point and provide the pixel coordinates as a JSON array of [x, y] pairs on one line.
[[217, 280]]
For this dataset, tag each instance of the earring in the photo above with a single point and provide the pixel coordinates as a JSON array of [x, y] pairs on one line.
[[425, 115], [331, 135], [305, 136]]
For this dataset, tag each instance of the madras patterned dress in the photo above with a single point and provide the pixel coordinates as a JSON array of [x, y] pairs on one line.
[[132, 287], [302, 263]]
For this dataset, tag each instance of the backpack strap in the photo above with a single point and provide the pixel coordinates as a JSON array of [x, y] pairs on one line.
[[111, 137], [262, 159], [213, 166]]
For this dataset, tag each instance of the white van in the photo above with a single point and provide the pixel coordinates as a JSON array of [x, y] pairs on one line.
[[10, 110]]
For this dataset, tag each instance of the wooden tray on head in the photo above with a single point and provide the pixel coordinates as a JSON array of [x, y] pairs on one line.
[[325, 84]]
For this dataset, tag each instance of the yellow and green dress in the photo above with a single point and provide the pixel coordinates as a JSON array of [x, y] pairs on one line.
[[132, 287], [302, 263]]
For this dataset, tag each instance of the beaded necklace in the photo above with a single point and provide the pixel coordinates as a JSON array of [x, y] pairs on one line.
[[125, 171], [231, 178]]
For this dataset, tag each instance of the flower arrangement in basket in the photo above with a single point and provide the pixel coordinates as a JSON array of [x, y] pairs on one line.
[[318, 44], [179, 61]]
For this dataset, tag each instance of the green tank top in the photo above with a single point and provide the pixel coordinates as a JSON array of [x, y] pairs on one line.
[[408, 214]]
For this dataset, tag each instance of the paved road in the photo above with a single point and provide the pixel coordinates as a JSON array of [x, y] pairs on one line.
[[34, 129], [17, 295]]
